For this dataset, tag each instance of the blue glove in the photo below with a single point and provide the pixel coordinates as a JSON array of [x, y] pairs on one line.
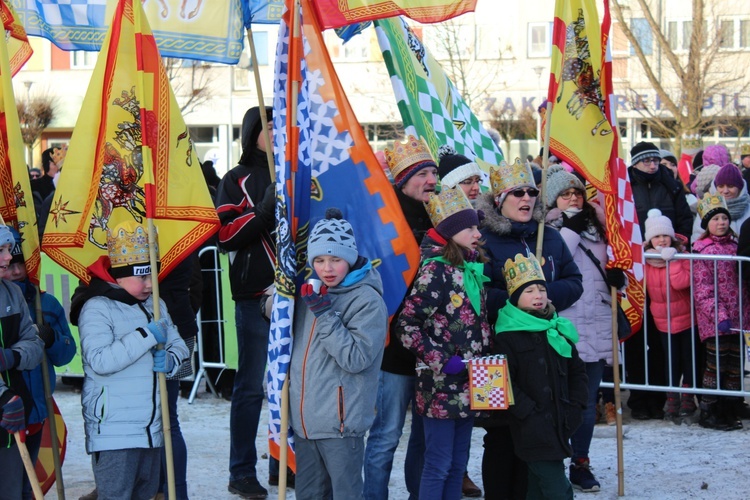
[[7, 359], [163, 362], [454, 365], [318, 303], [724, 326], [159, 330], [13, 415]]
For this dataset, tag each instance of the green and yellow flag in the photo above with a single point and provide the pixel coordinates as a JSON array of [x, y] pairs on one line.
[[16, 203], [130, 157]]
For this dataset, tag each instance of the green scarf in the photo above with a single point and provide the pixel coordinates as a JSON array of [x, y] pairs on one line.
[[512, 319], [474, 280]]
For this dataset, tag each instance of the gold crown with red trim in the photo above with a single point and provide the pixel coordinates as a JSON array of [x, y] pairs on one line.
[[507, 177], [745, 150], [127, 245], [406, 153], [692, 142], [450, 201], [520, 271]]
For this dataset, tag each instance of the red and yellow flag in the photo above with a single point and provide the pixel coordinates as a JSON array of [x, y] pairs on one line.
[[337, 13], [16, 203], [580, 133], [19, 49], [130, 157]]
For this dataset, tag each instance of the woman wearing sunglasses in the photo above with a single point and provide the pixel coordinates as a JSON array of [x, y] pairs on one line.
[[511, 223]]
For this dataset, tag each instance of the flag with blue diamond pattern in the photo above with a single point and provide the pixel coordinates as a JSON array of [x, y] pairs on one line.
[[430, 104]]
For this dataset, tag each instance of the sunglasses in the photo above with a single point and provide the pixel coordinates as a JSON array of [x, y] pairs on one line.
[[519, 193]]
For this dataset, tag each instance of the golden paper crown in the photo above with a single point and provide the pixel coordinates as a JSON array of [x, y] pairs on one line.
[[511, 176], [127, 245], [692, 142], [406, 153], [745, 149], [450, 201], [709, 203], [520, 271]]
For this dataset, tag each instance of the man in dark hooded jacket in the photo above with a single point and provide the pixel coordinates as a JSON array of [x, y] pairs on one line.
[[246, 204]]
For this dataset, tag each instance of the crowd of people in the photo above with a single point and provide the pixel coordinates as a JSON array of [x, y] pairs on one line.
[[507, 271]]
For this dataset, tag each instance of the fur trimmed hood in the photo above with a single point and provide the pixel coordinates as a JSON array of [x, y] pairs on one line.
[[496, 222]]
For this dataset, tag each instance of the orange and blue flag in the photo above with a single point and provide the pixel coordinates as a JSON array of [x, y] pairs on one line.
[[323, 160], [130, 158]]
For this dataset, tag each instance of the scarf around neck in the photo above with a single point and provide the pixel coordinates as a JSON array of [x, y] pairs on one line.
[[512, 319], [474, 280], [737, 206]]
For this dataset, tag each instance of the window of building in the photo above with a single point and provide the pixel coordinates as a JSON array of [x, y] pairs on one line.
[[643, 35], [733, 33], [488, 42], [443, 41], [204, 134], [243, 78], [620, 44], [679, 32], [539, 42], [83, 59]]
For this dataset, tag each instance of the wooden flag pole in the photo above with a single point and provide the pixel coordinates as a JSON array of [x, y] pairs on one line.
[[618, 406], [163, 396], [30, 471], [543, 190], [261, 104], [51, 420]]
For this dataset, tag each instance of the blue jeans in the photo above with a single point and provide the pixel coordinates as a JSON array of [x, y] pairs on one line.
[[446, 445], [329, 468], [394, 394], [179, 449], [247, 395], [581, 439]]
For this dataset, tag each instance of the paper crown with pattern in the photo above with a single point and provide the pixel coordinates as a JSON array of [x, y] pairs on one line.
[[710, 205], [507, 177], [406, 153], [449, 202], [520, 271], [745, 150], [692, 142], [128, 249]]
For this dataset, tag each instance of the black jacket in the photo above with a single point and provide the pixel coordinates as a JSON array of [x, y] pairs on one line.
[[397, 358], [664, 193], [246, 235], [550, 394]]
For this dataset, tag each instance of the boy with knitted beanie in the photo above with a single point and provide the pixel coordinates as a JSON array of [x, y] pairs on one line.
[[549, 398], [20, 349], [121, 348], [339, 335]]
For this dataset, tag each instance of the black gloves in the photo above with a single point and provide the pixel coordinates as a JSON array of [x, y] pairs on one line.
[[578, 223], [266, 209], [616, 278], [47, 334]]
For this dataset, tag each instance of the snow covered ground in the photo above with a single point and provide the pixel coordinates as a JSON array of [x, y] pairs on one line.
[[661, 460]]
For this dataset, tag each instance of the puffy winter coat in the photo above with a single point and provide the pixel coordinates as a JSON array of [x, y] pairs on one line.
[[726, 286], [678, 306], [60, 353], [437, 322], [120, 398], [336, 359], [592, 313], [503, 239], [550, 393], [665, 193], [19, 334]]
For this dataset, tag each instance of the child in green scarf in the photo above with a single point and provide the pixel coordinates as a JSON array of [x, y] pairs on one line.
[[549, 378]]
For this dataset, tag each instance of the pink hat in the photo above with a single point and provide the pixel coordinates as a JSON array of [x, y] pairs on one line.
[[716, 154]]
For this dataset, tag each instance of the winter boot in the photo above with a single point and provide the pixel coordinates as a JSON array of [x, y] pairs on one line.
[[581, 477], [672, 408], [610, 413], [469, 489], [687, 405], [729, 413], [711, 418]]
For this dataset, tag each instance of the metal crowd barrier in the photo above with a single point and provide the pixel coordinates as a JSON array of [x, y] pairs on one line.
[[697, 345]]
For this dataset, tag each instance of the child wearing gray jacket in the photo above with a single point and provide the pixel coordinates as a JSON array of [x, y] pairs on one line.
[[339, 337]]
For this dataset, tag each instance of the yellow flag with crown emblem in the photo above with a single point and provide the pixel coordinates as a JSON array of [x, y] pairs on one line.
[[130, 158], [16, 204]]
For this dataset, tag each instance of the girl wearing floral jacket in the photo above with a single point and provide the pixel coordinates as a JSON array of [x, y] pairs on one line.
[[444, 322], [717, 325]]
